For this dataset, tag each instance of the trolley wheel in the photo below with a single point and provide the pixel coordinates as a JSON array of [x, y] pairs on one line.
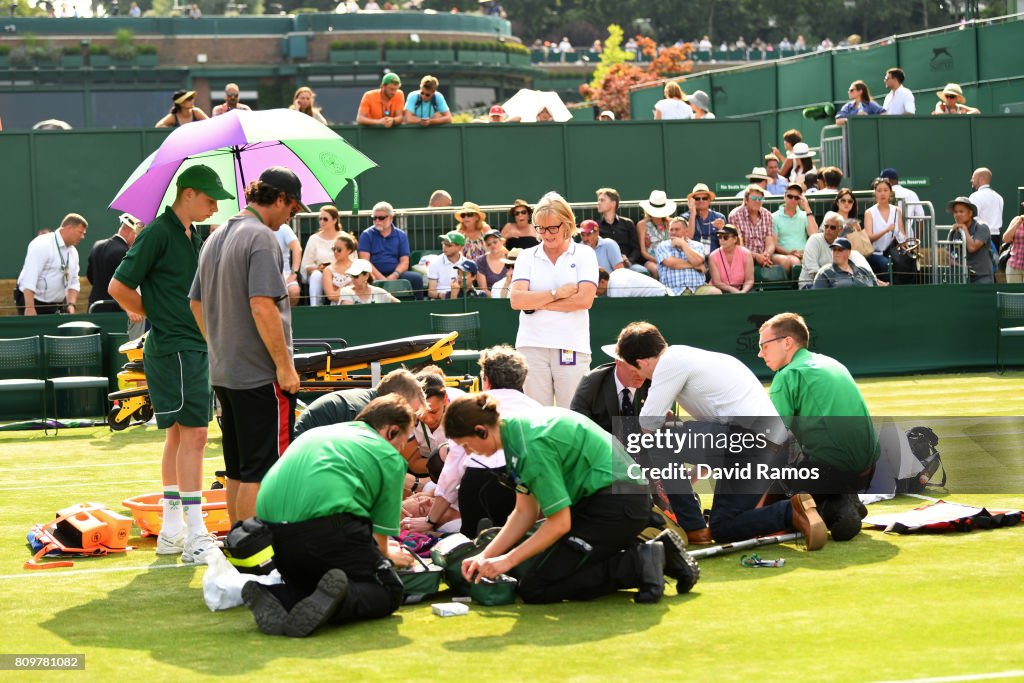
[[145, 413], [117, 423]]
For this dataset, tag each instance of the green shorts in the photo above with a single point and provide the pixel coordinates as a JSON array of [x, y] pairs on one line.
[[179, 386]]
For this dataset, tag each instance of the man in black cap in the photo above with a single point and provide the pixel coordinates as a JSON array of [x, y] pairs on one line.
[[842, 272], [240, 302]]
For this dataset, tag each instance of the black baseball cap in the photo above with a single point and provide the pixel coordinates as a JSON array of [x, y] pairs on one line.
[[284, 180], [841, 243]]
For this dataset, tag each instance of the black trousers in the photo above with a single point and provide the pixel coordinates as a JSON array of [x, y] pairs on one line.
[[482, 495], [304, 551], [595, 557], [42, 307]]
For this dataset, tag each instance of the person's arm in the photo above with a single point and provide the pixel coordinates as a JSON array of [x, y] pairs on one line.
[[657, 114], [126, 297], [869, 223], [974, 245], [481, 279], [812, 223], [165, 122], [432, 292], [582, 299], [330, 291], [309, 262], [197, 313], [522, 299], [1011, 231], [641, 235], [769, 247], [748, 274], [198, 114], [491, 563], [716, 277], [403, 265], [268, 324], [377, 275]]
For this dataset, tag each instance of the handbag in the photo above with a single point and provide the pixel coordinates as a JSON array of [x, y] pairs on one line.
[[860, 241]]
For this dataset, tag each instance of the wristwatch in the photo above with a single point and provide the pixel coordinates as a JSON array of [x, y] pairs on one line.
[[554, 295]]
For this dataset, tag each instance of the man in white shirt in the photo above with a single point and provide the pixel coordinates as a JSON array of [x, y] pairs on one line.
[[988, 201], [624, 282], [48, 282], [726, 402], [818, 251], [442, 272], [899, 100]]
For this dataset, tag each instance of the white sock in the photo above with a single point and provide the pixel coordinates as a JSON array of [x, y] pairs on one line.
[[173, 521], [192, 503]]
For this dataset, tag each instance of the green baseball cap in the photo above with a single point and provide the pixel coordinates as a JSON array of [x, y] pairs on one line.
[[391, 78], [204, 179], [455, 237]]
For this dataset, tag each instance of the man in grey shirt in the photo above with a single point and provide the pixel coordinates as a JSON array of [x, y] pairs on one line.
[[240, 302]]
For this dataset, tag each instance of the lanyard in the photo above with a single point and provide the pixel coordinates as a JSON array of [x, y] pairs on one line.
[[254, 213], [63, 262]]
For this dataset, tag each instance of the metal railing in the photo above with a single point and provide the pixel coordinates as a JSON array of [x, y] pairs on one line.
[[833, 148]]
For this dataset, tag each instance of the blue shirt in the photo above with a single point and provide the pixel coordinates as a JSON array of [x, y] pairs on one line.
[[778, 187], [854, 108], [679, 279], [707, 233], [426, 108], [384, 251], [608, 254]]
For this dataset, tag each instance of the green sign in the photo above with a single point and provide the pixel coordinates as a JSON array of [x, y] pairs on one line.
[[721, 188], [916, 181]]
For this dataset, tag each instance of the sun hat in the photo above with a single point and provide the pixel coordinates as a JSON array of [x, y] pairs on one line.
[[801, 151], [469, 207], [359, 266], [658, 205], [952, 89], [180, 96], [129, 220], [701, 99], [511, 256], [701, 188], [965, 201], [519, 203], [609, 350], [455, 237], [758, 173], [204, 179]]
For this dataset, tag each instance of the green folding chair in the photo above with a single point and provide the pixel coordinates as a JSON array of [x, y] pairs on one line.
[[467, 351], [22, 377], [1009, 307], [400, 289], [74, 367]]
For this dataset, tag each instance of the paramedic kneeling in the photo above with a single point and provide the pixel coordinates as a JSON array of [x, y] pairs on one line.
[[570, 471], [331, 501]]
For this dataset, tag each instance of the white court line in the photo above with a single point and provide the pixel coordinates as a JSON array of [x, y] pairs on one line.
[[964, 677], [29, 573], [81, 485], [90, 465]]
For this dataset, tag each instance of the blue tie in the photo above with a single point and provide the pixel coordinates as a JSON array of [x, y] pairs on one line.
[[627, 404]]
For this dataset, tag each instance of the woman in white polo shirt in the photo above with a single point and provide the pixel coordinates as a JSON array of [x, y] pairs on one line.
[[553, 287]]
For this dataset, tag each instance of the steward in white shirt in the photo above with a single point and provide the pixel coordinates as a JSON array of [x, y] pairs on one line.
[[48, 282]]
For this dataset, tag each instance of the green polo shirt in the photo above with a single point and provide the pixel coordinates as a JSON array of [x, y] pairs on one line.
[[345, 468], [562, 457], [162, 263], [819, 401], [790, 231]]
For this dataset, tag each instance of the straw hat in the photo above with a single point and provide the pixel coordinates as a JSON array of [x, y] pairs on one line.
[[952, 89], [658, 205], [512, 255], [470, 207], [701, 188], [758, 173]]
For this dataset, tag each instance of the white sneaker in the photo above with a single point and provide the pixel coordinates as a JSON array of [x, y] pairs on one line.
[[170, 545], [198, 549]]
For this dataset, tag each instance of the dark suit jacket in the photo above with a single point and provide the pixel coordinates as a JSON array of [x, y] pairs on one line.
[[596, 397], [105, 257]]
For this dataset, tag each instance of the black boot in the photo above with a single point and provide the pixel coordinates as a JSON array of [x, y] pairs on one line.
[[678, 563], [315, 610], [842, 515], [651, 565]]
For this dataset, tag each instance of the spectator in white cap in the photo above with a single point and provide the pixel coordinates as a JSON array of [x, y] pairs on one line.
[[361, 291], [757, 176], [607, 115], [803, 162], [105, 257]]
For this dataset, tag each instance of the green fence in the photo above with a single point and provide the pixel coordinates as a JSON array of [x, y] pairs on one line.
[[981, 58], [729, 324]]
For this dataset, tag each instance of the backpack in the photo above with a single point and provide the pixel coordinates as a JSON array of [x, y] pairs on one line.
[[923, 442]]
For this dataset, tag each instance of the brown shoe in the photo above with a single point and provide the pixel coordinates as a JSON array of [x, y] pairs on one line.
[[807, 521], [699, 537]]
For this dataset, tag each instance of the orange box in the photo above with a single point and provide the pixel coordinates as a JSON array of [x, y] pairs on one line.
[[148, 512]]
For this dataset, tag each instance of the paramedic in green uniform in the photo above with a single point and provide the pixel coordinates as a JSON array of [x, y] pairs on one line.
[[331, 502], [569, 471], [162, 264], [819, 401]]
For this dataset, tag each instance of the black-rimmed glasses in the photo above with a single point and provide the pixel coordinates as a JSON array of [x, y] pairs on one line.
[[551, 229]]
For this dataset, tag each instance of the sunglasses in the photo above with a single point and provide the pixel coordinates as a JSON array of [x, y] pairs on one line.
[[380, 218], [792, 196], [467, 215], [724, 235], [324, 219], [551, 230], [337, 249], [950, 97], [845, 200], [853, 90], [521, 212], [833, 227], [702, 199], [755, 198]]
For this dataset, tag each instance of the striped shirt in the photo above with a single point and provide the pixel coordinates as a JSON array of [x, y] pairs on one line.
[[754, 233]]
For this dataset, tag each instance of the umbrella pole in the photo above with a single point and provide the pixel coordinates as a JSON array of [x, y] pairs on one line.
[[355, 196], [237, 152]]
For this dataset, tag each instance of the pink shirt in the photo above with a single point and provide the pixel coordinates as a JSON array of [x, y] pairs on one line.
[[1017, 254], [733, 272], [754, 232]]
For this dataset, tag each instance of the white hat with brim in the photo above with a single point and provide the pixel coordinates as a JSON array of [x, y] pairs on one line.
[[952, 89], [758, 173], [609, 350], [801, 151], [658, 205], [359, 266]]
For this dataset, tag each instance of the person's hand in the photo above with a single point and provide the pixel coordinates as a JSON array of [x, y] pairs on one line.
[[881, 283], [292, 278], [135, 318], [691, 205], [567, 290], [778, 155], [321, 267], [30, 310], [288, 379], [418, 524], [718, 223], [455, 287], [424, 122], [387, 121], [476, 568], [804, 204], [470, 567], [393, 276], [796, 252], [400, 557]]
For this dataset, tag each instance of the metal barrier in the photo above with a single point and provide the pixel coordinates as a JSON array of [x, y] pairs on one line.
[[833, 148]]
